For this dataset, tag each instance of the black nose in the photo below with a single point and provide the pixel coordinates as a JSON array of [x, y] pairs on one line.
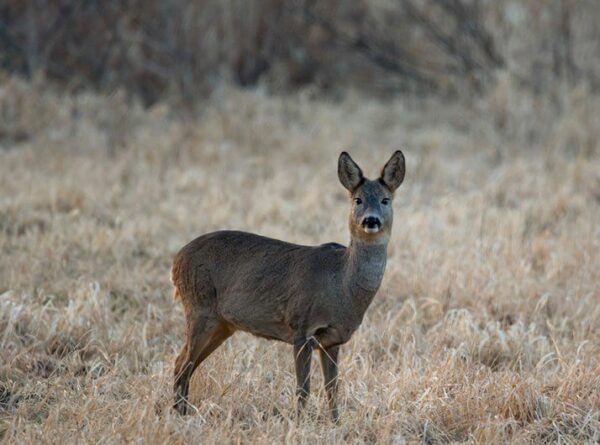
[[371, 222]]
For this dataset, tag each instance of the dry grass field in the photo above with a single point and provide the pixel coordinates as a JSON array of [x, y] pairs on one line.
[[486, 328]]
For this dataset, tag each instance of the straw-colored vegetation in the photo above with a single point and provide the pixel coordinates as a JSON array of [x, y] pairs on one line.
[[486, 328]]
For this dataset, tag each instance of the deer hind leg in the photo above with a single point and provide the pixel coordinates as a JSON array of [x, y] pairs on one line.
[[204, 335]]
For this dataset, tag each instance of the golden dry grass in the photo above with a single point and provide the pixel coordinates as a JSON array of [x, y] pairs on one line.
[[486, 328]]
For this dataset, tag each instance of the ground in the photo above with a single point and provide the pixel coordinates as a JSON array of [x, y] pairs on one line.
[[486, 327]]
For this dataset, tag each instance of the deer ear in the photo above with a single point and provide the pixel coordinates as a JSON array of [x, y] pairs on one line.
[[392, 174], [350, 174]]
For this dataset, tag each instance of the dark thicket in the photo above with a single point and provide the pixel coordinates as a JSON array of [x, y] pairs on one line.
[[155, 48]]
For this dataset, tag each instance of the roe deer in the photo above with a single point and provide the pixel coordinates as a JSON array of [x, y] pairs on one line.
[[312, 297]]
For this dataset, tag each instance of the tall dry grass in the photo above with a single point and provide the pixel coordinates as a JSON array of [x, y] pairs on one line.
[[486, 328]]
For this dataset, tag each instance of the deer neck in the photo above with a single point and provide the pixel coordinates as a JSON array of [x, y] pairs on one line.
[[365, 264]]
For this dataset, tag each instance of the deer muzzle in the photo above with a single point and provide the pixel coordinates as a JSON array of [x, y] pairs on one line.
[[371, 224]]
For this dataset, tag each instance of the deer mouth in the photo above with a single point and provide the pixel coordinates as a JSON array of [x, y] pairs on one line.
[[371, 224]]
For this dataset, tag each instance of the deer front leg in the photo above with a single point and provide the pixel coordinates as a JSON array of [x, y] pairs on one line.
[[302, 356], [329, 359]]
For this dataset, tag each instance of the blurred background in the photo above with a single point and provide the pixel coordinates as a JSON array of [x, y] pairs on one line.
[[127, 128], [184, 50]]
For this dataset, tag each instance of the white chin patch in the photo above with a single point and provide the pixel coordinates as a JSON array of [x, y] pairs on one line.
[[372, 229]]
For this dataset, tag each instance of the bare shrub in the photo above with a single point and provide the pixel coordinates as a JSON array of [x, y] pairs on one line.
[[183, 49]]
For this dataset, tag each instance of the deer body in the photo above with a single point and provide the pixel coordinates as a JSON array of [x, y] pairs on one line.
[[312, 297], [318, 289]]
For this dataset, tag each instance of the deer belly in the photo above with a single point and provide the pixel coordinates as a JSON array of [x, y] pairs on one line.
[[271, 331], [254, 320]]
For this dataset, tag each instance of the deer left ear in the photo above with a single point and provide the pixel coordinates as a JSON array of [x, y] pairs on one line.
[[392, 174], [350, 174]]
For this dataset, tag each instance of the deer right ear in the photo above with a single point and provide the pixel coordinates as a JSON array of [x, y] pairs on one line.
[[350, 174], [392, 174]]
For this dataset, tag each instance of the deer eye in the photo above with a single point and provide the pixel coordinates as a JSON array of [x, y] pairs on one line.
[[357, 201], [385, 201]]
